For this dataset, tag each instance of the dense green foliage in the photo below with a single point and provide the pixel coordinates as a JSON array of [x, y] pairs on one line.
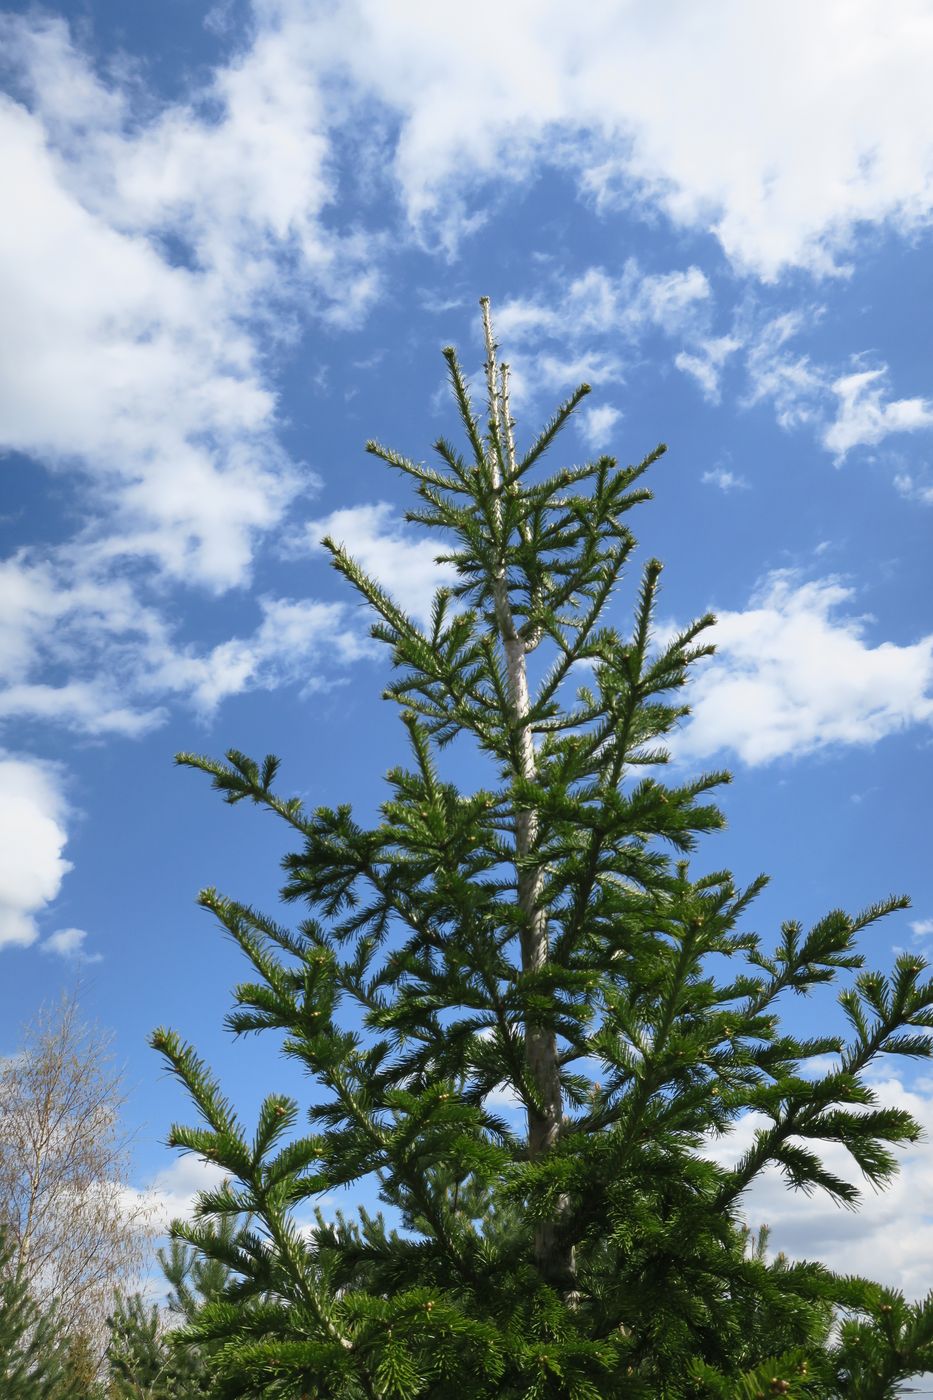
[[539, 936], [147, 1357], [38, 1359]]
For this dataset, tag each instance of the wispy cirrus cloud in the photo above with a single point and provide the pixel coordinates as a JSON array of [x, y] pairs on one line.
[[844, 410], [587, 327], [866, 413]]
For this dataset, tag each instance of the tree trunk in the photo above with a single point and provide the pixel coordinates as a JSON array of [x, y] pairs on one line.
[[554, 1260]]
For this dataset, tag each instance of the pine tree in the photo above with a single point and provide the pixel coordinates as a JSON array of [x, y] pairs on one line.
[[138, 1355], [36, 1352], [148, 1358], [542, 935]]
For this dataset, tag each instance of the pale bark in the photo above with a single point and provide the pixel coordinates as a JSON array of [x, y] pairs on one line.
[[541, 1053], [76, 1230]]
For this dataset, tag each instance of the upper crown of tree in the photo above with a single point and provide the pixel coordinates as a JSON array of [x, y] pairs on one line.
[[539, 942]]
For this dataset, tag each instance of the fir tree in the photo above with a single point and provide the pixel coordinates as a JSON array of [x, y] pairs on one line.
[[520, 935]]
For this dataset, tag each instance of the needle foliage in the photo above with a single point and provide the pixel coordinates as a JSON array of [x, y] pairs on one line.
[[538, 941]]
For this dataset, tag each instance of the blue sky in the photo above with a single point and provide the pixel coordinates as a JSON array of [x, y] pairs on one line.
[[235, 238]]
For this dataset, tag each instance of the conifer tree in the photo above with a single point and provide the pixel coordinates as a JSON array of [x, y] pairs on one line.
[[148, 1358], [36, 1360], [543, 935], [138, 1355]]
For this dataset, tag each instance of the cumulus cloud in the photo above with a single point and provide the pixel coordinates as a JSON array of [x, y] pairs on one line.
[[890, 1236], [123, 657], [402, 561], [148, 254], [158, 396], [597, 425], [32, 840], [172, 1192], [68, 943], [794, 673], [152, 247], [642, 112], [237, 169]]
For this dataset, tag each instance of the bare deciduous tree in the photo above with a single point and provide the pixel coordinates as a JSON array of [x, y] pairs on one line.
[[77, 1231]]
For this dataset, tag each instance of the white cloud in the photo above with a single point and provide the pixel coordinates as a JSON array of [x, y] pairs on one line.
[[32, 839], [504, 1098], [724, 479], [239, 170], [291, 635], [69, 943], [794, 386], [596, 303], [124, 660], [921, 928], [793, 673], [890, 1236], [863, 418], [591, 320], [155, 388], [151, 250], [706, 362], [403, 562], [550, 374], [62, 613], [845, 411], [84, 706], [146, 263], [152, 256], [172, 1192], [913, 490], [597, 425], [673, 113], [240, 173]]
